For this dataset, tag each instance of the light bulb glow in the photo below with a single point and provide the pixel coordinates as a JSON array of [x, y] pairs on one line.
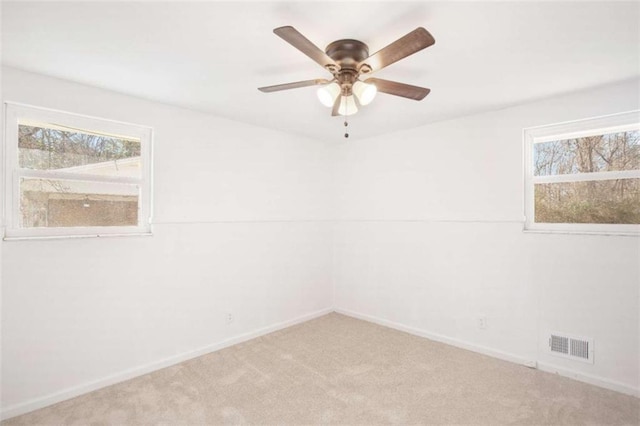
[[327, 94], [365, 92], [347, 106]]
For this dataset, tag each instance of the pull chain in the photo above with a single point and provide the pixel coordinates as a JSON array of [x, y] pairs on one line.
[[346, 123]]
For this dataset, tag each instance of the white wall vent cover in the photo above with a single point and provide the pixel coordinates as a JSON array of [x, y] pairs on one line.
[[573, 347]]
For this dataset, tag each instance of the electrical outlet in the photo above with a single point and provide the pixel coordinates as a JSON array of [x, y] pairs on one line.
[[228, 318], [482, 322]]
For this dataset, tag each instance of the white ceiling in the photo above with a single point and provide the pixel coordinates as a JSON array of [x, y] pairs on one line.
[[212, 56]]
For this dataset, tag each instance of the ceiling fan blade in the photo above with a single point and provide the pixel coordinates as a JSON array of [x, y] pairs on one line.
[[295, 85], [399, 89], [336, 105], [411, 43], [300, 42]]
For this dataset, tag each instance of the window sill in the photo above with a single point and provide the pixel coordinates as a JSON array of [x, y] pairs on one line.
[[594, 233], [68, 237]]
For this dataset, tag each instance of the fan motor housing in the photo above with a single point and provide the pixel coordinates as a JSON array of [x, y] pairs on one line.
[[347, 52]]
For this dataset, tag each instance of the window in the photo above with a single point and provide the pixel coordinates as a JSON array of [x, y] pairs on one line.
[[584, 176], [71, 175]]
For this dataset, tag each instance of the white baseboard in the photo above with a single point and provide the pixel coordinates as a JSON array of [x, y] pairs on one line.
[[69, 393], [440, 338], [549, 368], [588, 378]]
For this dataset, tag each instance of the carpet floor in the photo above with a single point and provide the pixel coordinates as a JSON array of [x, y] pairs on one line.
[[340, 370]]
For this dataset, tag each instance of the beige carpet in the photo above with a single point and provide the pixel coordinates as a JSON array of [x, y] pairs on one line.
[[340, 370]]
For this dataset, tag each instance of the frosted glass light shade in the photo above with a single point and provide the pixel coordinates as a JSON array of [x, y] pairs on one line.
[[347, 106], [327, 94], [365, 92]]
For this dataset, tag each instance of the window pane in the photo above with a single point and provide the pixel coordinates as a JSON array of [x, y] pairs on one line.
[[605, 201], [50, 147], [600, 153], [47, 203]]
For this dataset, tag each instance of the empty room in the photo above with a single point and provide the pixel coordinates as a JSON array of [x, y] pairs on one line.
[[320, 212]]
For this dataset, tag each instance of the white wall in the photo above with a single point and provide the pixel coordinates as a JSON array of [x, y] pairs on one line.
[[239, 227], [430, 238]]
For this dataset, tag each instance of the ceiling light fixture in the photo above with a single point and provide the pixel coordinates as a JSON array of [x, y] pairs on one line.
[[327, 94], [365, 92], [347, 106], [347, 60]]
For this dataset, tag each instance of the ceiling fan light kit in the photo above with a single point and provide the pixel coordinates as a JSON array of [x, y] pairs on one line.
[[348, 60], [348, 106], [365, 92], [328, 93]]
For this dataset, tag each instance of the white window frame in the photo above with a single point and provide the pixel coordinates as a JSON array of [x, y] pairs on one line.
[[581, 128], [16, 112]]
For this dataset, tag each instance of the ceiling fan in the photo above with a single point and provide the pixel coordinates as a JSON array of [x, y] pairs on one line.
[[348, 61]]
